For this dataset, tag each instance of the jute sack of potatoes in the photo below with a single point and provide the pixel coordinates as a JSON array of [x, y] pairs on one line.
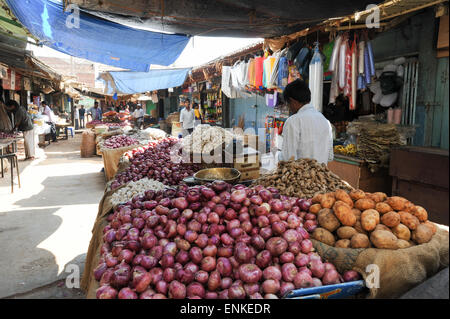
[[400, 270]]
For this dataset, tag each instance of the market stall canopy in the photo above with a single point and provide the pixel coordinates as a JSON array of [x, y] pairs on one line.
[[10, 26], [96, 39], [233, 18], [140, 82]]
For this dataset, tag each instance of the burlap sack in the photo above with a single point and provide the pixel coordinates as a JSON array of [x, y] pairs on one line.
[[400, 270], [88, 146], [111, 159]]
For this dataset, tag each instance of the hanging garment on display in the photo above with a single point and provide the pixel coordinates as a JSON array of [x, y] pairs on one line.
[[334, 88], [348, 71], [273, 78], [294, 50], [302, 61], [272, 99], [354, 76], [259, 68], [226, 80], [235, 75], [361, 46], [268, 65], [283, 72], [251, 72], [334, 61], [327, 52], [316, 79], [341, 67]]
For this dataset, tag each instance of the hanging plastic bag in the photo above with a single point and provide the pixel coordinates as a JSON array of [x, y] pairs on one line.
[[334, 88], [316, 79]]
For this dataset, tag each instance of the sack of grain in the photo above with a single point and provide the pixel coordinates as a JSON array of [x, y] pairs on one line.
[[88, 146]]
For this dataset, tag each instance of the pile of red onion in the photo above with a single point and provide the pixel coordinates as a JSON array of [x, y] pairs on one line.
[[155, 162], [212, 241], [120, 141], [7, 135]]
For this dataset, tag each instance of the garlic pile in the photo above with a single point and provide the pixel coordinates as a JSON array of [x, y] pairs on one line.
[[205, 138], [132, 189], [153, 134]]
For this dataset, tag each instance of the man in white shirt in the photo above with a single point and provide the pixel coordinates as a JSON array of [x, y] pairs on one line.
[[187, 119], [307, 133], [51, 120], [138, 116]]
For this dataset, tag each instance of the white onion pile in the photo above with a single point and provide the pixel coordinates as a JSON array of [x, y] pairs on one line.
[[206, 138], [132, 189]]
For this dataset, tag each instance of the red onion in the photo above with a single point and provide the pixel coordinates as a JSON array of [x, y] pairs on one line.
[[306, 245], [250, 273], [106, 292], [351, 275], [208, 263], [177, 290], [276, 246], [226, 283], [286, 287], [236, 292], [201, 276], [263, 259], [272, 272], [169, 275], [211, 295], [289, 271], [317, 268], [214, 280], [303, 280], [100, 270], [270, 286], [195, 289], [331, 277]]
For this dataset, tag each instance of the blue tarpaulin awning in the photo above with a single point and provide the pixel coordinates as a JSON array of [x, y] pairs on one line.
[[140, 82], [96, 39]]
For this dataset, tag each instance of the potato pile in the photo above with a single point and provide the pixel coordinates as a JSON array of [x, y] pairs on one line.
[[303, 178], [362, 220]]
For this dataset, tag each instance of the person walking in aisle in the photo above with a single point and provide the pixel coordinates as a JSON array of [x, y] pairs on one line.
[[76, 117], [22, 121], [81, 112], [51, 120]]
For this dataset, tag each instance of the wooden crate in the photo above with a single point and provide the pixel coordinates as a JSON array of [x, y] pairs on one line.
[[249, 175], [246, 163]]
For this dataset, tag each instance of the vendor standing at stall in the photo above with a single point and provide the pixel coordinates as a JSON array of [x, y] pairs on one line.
[[22, 122], [51, 120], [198, 114], [306, 133], [81, 112], [187, 118]]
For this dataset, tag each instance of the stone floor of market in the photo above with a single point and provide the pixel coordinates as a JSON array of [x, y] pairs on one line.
[[46, 224]]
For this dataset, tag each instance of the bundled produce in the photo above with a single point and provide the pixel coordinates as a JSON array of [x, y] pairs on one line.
[[132, 189], [212, 241], [361, 220], [205, 138], [7, 135], [303, 178], [155, 161], [118, 141]]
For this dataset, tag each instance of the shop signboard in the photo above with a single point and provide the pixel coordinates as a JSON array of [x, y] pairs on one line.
[[13, 81]]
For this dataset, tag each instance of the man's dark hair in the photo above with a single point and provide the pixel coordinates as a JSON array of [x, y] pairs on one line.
[[297, 90], [95, 103], [187, 100], [12, 103], [44, 103], [195, 105]]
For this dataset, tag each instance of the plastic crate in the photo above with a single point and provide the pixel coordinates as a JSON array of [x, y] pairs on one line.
[[338, 291]]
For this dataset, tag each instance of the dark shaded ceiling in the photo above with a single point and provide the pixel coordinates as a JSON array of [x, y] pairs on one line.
[[231, 18]]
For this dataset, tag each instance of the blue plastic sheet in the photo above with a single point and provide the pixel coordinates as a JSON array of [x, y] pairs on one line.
[[97, 39], [140, 82]]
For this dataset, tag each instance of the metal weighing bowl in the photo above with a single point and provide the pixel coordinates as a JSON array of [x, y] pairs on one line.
[[229, 175]]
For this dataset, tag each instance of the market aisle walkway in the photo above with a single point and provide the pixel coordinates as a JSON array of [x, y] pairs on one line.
[[46, 224]]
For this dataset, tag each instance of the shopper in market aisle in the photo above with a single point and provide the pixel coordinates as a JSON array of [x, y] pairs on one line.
[[23, 122], [76, 117], [81, 112], [187, 118], [138, 116], [96, 112], [198, 114], [306, 133], [51, 120]]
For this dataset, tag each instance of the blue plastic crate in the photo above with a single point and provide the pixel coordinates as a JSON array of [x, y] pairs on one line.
[[338, 291]]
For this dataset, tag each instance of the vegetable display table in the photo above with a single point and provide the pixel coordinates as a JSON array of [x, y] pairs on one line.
[[356, 172]]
